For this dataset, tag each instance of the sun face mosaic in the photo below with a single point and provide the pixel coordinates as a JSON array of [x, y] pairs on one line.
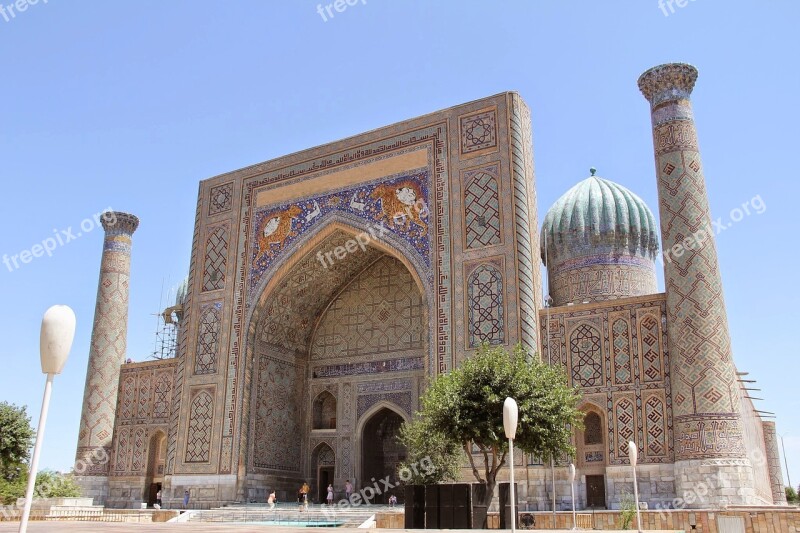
[[400, 205]]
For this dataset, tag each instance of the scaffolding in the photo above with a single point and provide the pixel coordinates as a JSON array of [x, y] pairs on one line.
[[167, 322]]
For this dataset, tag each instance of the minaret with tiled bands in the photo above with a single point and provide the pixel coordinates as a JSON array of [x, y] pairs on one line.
[[106, 355], [705, 402]]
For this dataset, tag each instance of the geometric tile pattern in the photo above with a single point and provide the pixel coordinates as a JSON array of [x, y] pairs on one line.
[[618, 328], [220, 199], [278, 400], [139, 446], [485, 300], [621, 347], [478, 131], [656, 427], [625, 427], [290, 311], [108, 342], [704, 380], [482, 207], [198, 437], [208, 339], [144, 406], [649, 335], [380, 311], [587, 357], [526, 225], [163, 395], [216, 259]]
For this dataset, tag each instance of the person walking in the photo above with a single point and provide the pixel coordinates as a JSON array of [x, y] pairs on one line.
[[348, 490], [330, 495], [271, 501], [186, 499], [158, 498]]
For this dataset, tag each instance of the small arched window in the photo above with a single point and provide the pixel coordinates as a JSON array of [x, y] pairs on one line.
[[592, 429], [325, 411]]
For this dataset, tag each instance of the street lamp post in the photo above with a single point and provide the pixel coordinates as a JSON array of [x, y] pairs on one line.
[[510, 418], [55, 341], [572, 495], [633, 454]]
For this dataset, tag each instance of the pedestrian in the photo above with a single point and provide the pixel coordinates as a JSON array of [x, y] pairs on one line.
[[348, 490], [158, 498], [186, 499], [330, 495], [271, 501], [392, 500]]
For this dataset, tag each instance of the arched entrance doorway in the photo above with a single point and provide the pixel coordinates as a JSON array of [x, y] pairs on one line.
[[592, 457], [324, 460], [381, 451], [156, 458], [328, 342]]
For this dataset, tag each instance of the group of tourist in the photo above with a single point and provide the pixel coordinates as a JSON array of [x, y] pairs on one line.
[[302, 496]]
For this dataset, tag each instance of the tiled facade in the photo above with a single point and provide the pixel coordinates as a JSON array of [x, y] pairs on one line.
[[326, 287]]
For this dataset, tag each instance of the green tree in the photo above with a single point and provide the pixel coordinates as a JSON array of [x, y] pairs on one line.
[[432, 457], [465, 407], [791, 495], [16, 439], [51, 484]]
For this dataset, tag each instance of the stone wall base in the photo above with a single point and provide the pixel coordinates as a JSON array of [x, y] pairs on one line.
[[714, 483], [95, 487]]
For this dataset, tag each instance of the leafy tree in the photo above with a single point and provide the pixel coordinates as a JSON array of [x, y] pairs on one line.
[[791, 495], [432, 457], [16, 439], [49, 484], [465, 407]]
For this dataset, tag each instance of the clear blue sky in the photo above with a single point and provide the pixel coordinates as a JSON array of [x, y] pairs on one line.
[[130, 104]]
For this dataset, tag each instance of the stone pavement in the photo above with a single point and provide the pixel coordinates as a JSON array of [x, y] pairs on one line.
[[98, 527]]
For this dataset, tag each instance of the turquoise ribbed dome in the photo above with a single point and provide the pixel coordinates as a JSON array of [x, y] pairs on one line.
[[183, 290], [603, 215]]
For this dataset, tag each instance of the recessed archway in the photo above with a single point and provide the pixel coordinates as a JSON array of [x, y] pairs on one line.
[[380, 451], [156, 457], [317, 330]]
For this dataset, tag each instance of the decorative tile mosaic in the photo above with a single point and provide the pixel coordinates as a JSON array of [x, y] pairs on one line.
[[370, 367], [478, 131], [220, 199], [400, 205]]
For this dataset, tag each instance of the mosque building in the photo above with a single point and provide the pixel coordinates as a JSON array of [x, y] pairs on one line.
[[327, 286]]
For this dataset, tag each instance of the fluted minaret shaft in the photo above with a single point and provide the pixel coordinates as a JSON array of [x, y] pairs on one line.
[[774, 463], [704, 388], [108, 346]]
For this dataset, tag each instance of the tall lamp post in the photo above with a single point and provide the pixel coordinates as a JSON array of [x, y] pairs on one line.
[[55, 341], [633, 454], [572, 495], [510, 418]]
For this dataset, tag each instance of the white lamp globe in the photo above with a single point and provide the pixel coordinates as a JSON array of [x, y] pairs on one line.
[[633, 452], [55, 339], [510, 417]]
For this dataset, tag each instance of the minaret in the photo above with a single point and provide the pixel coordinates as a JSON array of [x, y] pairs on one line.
[[705, 400], [106, 355]]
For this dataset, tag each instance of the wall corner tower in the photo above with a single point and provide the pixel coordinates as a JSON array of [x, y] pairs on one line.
[[708, 432], [106, 355]]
